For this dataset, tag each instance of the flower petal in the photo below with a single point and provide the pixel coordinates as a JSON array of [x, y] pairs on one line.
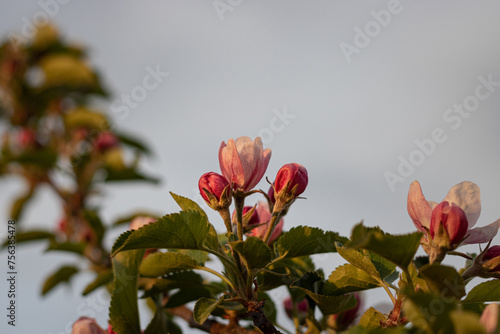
[[483, 234], [418, 208], [230, 164], [468, 197]]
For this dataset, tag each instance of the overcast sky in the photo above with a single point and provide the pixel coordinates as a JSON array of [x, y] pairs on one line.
[[368, 96]]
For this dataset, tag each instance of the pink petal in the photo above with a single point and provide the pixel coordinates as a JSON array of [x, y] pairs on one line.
[[230, 164], [468, 197], [483, 234], [489, 318], [419, 210], [432, 204]]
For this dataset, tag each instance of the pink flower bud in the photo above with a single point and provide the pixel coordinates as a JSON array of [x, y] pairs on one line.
[[85, 325], [341, 321], [106, 141], [264, 215], [291, 181], [489, 318], [243, 162], [302, 308], [140, 221], [26, 138], [492, 253], [219, 192], [453, 221], [110, 329]]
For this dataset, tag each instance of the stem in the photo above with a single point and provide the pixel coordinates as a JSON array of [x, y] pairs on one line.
[[226, 216], [259, 318], [408, 278], [386, 288], [272, 223], [239, 203]]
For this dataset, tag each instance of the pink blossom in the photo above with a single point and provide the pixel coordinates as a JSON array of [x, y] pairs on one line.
[[243, 162], [105, 141], [264, 217], [140, 221], [289, 176], [489, 318], [453, 221], [85, 325], [215, 184], [466, 196]]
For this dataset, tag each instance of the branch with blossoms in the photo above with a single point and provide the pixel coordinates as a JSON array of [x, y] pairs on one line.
[[168, 262]]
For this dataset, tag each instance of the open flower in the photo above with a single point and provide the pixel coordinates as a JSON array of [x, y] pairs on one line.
[[264, 215], [85, 325], [465, 196], [243, 162]]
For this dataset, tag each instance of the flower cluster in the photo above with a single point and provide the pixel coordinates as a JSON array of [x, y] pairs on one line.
[[243, 163]]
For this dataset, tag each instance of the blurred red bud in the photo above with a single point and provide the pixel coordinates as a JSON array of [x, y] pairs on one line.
[[105, 141], [492, 253], [290, 176], [302, 307], [85, 325]]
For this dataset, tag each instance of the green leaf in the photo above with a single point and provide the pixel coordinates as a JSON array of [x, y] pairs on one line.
[[184, 296], [19, 204], [254, 251], [367, 261], [133, 142], [179, 280], [488, 291], [466, 323], [95, 223], [399, 249], [290, 270], [348, 278], [101, 279], [67, 246], [269, 307], [159, 264], [429, 312], [44, 158], [33, 235], [188, 205], [305, 240], [62, 275], [123, 311], [199, 256], [311, 284], [443, 280], [372, 318], [184, 230], [203, 308], [128, 174], [159, 323]]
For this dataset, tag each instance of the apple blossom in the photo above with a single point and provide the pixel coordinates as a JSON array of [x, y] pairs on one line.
[[215, 190], [140, 221], [105, 141], [489, 318], [243, 162], [466, 196], [264, 215], [292, 178], [85, 325]]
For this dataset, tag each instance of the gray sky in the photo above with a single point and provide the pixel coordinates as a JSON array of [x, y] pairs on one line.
[[348, 89]]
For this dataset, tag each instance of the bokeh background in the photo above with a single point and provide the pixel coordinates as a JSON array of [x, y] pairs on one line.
[[324, 83]]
